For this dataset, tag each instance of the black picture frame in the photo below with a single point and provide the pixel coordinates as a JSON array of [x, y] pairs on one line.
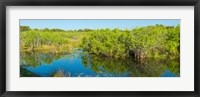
[[4, 3]]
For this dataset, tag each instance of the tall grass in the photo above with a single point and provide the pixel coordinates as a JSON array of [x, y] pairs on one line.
[[47, 40]]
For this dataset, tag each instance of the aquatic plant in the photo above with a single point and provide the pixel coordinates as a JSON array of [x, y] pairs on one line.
[[60, 73]]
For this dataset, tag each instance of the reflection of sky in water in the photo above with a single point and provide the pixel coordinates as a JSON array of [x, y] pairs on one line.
[[168, 74], [72, 66]]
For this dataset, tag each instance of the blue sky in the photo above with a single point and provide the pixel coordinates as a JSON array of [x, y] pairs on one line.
[[94, 24]]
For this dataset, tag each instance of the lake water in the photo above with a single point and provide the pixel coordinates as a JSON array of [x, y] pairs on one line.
[[81, 64]]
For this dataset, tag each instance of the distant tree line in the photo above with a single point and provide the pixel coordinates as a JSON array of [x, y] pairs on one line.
[[26, 28]]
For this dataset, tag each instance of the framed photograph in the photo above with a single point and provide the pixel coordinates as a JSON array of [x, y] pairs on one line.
[[99, 48]]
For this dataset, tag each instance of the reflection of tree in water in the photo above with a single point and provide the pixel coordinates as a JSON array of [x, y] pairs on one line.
[[174, 66], [149, 68], [35, 59], [102, 65]]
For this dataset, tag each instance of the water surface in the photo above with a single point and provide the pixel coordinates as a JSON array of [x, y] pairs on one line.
[[81, 64]]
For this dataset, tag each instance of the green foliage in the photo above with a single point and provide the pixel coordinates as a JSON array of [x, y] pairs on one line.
[[151, 41], [24, 28], [85, 30], [108, 42], [48, 39], [157, 41], [52, 30], [112, 50]]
